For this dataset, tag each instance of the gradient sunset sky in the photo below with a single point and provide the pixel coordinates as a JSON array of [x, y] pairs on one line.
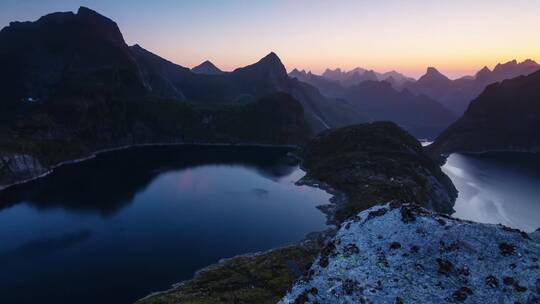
[[456, 36]]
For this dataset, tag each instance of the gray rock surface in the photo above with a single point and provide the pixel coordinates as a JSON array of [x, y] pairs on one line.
[[402, 253], [19, 167]]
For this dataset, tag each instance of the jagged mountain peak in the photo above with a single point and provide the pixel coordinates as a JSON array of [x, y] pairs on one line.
[[432, 74], [529, 62], [505, 65], [86, 12], [208, 68], [432, 70], [272, 58], [485, 69], [338, 70], [483, 73], [270, 62]]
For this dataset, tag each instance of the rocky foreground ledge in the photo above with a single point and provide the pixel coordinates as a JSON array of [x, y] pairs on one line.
[[402, 253]]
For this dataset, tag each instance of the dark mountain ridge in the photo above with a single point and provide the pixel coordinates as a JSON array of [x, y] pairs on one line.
[[64, 52], [506, 116], [243, 85]]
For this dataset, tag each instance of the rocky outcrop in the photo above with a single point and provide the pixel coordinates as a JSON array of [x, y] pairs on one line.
[[373, 163], [18, 167], [402, 253]]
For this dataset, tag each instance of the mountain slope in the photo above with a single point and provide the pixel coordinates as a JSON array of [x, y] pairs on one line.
[[419, 115], [506, 116], [244, 85], [64, 52]]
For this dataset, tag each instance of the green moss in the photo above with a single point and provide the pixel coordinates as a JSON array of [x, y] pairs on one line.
[[261, 278]]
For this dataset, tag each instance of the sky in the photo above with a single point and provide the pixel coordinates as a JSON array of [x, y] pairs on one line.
[[458, 37]]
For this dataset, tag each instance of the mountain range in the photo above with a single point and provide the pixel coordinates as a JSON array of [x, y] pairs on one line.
[[72, 56], [457, 94], [69, 79], [358, 75], [506, 116], [380, 100]]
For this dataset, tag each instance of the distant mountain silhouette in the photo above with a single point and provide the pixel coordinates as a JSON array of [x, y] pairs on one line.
[[207, 68], [379, 100], [358, 75], [327, 86], [420, 115], [506, 116], [457, 94], [432, 84]]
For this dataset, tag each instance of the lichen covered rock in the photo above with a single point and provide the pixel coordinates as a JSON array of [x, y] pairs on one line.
[[402, 253]]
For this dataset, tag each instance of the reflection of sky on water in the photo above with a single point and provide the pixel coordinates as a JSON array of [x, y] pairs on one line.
[[130, 222], [497, 188]]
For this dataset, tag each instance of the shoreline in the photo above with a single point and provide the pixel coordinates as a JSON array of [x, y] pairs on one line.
[[51, 169], [446, 155]]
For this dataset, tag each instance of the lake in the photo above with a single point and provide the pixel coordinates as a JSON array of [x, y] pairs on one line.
[[116, 227], [497, 187]]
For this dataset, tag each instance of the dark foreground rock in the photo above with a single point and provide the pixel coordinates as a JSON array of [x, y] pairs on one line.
[[373, 163], [406, 254]]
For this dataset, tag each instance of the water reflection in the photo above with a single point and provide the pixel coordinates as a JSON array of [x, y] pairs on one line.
[[117, 227], [498, 187], [110, 181]]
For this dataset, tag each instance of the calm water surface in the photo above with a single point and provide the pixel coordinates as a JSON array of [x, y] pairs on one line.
[[498, 187], [114, 228]]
